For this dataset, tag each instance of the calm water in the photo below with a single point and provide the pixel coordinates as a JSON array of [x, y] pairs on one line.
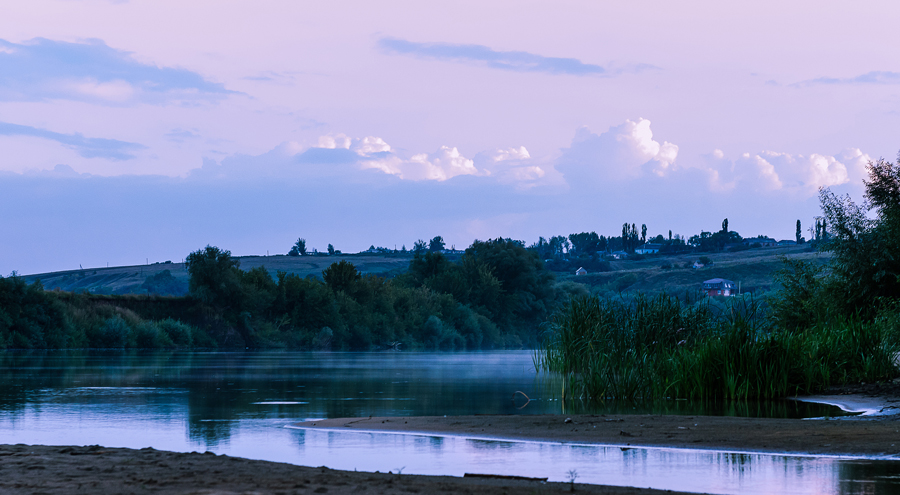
[[240, 403]]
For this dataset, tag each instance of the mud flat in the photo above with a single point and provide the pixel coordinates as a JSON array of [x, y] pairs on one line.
[[873, 438], [63, 470]]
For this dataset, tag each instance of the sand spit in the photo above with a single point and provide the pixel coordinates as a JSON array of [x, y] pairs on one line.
[[876, 438], [54, 470]]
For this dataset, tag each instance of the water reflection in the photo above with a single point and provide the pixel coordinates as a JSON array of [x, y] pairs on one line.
[[214, 391], [238, 403]]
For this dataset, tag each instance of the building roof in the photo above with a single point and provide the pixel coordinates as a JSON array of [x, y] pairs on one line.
[[718, 282]]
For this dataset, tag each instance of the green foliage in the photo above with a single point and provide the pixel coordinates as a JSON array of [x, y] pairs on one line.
[[341, 276], [163, 283], [656, 348], [299, 248], [29, 317], [215, 277], [865, 264], [436, 243]]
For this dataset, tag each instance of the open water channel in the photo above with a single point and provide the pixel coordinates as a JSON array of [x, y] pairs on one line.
[[242, 404]]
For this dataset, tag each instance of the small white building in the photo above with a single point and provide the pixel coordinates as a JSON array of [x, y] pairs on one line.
[[648, 248], [580, 271]]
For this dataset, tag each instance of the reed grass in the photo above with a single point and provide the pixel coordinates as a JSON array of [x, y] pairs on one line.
[[662, 347]]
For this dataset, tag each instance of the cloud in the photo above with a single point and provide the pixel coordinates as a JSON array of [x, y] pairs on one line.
[[874, 77], [42, 69], [443, 164], [182, 135], [512, 166], [111, 149], [626, 151], [769, 171], [482, 55]]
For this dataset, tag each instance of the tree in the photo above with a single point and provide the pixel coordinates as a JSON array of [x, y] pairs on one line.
[[330, 250], [436, 243], [725, 226], [299, 248], [341, 276], [215, 278], [585, 243], [865, 265], [798, 233], [419, 246], [643, 233], [670, 234]]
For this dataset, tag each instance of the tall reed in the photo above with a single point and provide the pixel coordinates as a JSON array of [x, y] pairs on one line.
[[661, 347]]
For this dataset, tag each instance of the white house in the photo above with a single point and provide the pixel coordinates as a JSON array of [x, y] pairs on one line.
[[580, 271], [648, 248]]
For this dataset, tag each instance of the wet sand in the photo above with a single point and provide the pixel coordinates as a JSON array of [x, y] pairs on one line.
[[877, 437], [95, 470], [63, 470]]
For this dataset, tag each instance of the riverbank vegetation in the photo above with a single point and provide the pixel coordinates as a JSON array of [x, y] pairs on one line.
[[825, 326], [496, 296]]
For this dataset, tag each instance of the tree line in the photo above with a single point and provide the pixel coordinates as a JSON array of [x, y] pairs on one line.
[[496, 295]]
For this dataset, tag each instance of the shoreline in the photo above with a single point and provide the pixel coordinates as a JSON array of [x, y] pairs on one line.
[[868, 437], [95, 469], [112, 471]]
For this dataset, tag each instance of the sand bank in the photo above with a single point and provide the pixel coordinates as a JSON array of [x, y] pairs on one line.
[[865, 438], [99, 470]]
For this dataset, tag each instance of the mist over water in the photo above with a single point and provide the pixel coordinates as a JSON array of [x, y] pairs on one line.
[[238, 403]]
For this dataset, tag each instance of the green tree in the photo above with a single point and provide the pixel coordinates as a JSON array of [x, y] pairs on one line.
[[643, 233], [330, 250], [299, 248], [725, 226], [215, 277], [341, 276], [798, 234], [419, 246], [436, 243], [865, 264]]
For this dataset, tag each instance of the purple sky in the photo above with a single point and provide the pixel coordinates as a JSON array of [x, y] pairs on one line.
[[135, 130]]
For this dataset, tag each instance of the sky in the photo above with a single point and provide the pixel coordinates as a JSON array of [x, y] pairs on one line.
[[139, 131]]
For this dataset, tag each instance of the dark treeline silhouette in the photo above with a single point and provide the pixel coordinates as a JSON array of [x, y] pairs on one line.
[[495, 296]]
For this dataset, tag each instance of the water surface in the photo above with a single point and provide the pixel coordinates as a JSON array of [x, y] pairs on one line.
[[239, 404]]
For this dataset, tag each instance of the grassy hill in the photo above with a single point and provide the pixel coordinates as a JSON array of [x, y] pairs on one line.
[[129, 279], [753, 269]]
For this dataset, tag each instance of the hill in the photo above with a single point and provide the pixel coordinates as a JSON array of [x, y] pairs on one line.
[[754, 269], [132, 279]]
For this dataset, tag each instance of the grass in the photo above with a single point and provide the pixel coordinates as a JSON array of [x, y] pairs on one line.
[[659, 347], [128, 279]]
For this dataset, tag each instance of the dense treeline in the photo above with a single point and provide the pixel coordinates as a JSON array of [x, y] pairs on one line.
[[824, 327], [496, 296]]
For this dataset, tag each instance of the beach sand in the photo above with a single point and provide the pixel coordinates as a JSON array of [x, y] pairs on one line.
[[62, 470]]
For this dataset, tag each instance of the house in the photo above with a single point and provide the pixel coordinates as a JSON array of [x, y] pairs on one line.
[[648, 248], [619, 255], [580, 271], [761, 240], [787, 242], [718, 287], [698, 265]]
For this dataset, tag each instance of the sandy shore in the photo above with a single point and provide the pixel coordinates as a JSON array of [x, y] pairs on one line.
[[98, 470], [845, 437], [62, 470]]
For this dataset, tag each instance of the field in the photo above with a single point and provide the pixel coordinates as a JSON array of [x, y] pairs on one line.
[[753, 269], [129, 279]]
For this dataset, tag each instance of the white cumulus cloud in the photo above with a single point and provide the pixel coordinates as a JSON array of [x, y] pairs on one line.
[[625, 151], [792, 173], [441, 165]]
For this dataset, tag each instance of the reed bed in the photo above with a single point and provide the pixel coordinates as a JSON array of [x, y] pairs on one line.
[[661, 347]]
